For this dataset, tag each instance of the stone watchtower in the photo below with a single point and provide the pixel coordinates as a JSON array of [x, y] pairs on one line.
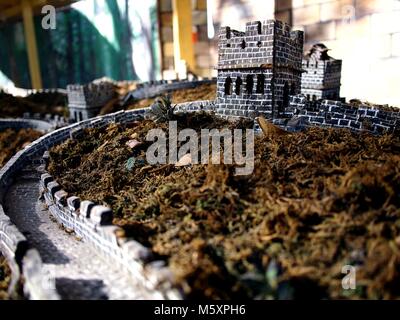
[[321, 79], [85, 101], [258, 69]]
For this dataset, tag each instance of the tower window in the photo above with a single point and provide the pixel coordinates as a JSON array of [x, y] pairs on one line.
[[228, 86], [259, 27], [243, 45], [228, 33], [285, 95], [238, 85], [249, 84], [260, 83], [293, 89]]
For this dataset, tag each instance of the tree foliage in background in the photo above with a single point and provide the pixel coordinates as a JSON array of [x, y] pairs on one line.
[[78, 52]]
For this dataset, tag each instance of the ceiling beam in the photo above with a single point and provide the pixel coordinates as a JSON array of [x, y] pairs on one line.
[[16, 10], [31, 46], [182, 30]]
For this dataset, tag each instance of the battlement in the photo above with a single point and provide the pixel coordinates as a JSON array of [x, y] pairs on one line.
[[262, 45], [90, 95], [328, 65], [336, 114], [261, 28]]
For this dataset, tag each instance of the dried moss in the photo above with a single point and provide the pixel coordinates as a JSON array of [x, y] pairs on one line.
[[316, 201], [11, 141], [5, 278]]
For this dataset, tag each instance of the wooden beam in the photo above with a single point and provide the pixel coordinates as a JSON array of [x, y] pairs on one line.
[[30, 40], [17, 9], [183, 39]]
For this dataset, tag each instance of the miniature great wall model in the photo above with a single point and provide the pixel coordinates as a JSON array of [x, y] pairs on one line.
[[37, 103], [324, 192], [201, 92], [316, 201]]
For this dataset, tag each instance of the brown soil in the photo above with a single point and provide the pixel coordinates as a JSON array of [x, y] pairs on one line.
[[11, 141], [202, 92], [317, 201], [15, 107], [5, 279]]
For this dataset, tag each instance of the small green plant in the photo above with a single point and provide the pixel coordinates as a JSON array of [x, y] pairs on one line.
[[162, 110]]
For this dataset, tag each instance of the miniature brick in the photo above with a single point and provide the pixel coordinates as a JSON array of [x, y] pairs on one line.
[[61, 197], [73, 203], [136, 251], [53, 187], [46, 179], [85, 208], [101, 215]]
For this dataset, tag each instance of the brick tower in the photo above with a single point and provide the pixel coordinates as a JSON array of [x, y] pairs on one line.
[[85, 101], [321, 79], [258, 69]]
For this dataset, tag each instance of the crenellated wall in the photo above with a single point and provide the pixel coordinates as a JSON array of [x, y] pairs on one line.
[[38, 125], [153, 89], [337, 114], [89, 221]]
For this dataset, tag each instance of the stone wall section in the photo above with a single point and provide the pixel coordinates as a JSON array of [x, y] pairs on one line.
[[87, 220], [152, 89], [337, 114]]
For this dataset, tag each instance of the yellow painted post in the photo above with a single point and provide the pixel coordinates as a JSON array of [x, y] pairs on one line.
[[30, 39], [183, 39]]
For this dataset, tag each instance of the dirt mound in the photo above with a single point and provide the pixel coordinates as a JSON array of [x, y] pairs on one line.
[[11, 141], [15, 107], [317, 201]]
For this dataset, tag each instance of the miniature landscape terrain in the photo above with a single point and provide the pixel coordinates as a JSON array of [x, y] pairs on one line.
[[41, 103], [11, 141], [4, 278], [201, 92], [317, 200]]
